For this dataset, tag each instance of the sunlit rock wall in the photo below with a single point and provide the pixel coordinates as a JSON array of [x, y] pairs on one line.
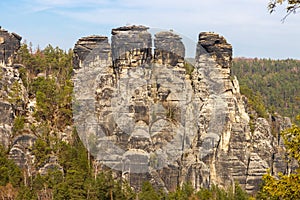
[[9, 44], [144, 111]]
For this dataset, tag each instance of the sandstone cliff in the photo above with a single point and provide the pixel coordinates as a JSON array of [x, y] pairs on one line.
[[9, 44], [16, 109], [155, 116], [13, 103], [144, 111]]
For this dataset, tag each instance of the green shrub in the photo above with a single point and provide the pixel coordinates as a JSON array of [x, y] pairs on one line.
[[18, 124]]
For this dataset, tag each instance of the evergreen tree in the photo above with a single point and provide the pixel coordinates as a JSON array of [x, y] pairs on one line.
[[273, 83], [148, 192], [9, 171]]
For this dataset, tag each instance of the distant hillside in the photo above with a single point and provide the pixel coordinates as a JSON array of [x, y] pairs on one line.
[[277, 81]]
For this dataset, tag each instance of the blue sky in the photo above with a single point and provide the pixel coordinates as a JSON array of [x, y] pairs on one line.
[[246, 24]]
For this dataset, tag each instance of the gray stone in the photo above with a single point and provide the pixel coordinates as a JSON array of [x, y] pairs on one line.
[[9, 44], [131, 46], [169, 49], [90, 48], [216, 46], [173, 127]]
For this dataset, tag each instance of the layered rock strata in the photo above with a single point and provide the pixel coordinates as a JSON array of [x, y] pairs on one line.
[[159, 118], [89, 48], [144, 111], [169, 49]]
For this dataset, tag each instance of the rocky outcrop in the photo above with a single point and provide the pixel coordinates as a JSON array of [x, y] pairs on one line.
[[15, 105], [160, 118], [9, 44], [20, 152], [169, 49], [13, 99], [144, 111], [216, 46], [131, 47], [92, 47]]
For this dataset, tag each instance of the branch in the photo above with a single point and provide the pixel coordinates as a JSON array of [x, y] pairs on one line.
[[290, 10], [292, 7]]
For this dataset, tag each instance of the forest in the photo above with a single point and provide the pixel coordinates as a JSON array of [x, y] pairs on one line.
[[275, 82]]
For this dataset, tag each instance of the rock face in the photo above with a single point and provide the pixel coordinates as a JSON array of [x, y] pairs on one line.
[[147, 113], [216, 46], [169, 48], [9, 44], [159, 118], [14, 103], [12, 92], [85, 48], [131, 47]]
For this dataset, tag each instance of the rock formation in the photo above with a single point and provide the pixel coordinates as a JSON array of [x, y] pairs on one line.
[[85, 47], [12, 92], [169, 49], [9, 44], [159, 118], [131, 46], [14, 103], [144, 111]]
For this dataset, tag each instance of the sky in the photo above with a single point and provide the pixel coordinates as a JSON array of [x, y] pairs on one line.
[[246, 24]]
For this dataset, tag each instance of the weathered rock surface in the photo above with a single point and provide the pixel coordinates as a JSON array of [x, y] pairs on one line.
[[131, 47], [169, 48], [14, 103], [92, 47], [150, 118], [216, 46], [151, 115], [13, 99], [9, 44]]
